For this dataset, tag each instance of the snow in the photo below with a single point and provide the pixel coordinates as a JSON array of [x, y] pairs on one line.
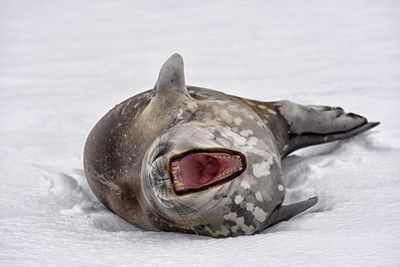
[[63, 64]]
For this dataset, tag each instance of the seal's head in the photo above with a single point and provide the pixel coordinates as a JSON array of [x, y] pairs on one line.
[[214, 168], [189, 178]]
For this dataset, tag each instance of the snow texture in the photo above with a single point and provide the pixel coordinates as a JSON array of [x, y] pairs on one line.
[[64, 64]]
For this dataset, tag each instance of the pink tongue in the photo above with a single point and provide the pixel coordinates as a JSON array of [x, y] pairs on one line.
[[198, 169]]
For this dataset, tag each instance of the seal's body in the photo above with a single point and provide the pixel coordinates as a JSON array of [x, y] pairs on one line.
[[188, 159]]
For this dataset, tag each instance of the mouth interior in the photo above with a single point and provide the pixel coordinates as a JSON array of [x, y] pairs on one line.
[[199, 170]]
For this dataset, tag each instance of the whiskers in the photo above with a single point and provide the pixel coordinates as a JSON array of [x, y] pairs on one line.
[[165, 143], [158, 170], [184, 213], [161, 184], [159, 179]]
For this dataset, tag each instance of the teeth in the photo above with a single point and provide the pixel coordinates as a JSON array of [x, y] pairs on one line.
[[228, 172], [175, 165], [178, 183], [227, 157], [174, 169]]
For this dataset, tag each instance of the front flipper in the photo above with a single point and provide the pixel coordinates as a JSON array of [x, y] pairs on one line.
[[285, 213]]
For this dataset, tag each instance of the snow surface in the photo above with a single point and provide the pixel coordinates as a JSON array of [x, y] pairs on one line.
[[63, 64]]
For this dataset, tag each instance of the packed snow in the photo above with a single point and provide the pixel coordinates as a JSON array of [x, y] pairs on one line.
[[64, 64]]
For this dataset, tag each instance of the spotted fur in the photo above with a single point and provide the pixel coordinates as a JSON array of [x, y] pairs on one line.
[[127, 154]]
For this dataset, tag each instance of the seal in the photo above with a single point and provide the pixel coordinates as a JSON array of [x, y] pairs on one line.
[[194, 160]]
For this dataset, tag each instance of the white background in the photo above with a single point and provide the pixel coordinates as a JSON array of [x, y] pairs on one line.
[[64, 64]]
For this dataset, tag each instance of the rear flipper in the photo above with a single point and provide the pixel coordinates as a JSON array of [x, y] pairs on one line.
[[312, 125], [300, 141]]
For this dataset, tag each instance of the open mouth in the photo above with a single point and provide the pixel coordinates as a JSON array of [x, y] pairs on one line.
[[197, 170]]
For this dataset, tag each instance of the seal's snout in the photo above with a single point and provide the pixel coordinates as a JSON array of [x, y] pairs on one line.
[[199, 170]]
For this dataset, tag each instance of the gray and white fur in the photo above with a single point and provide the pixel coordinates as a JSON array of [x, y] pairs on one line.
[[127, 155]]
